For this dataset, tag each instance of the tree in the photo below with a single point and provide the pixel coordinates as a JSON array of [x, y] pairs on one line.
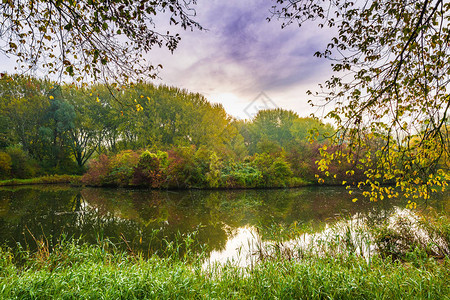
[[5, 137], [57, 123], [23, 102], [392, 68], [167, 116], [85, 136], [302, 128], [5, 165], [274, 125], [105, 39]]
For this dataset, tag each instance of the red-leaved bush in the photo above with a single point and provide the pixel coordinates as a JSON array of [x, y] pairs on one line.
[[98, 171]]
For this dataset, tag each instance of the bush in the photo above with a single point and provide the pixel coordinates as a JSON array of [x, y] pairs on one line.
[[280, 172], [150, 168], [5, 165], [214, 173], [241, 175], [98, 171], [22, 166], [66, 165], [186, 167], [182, 171], [128, 168], [302, 157], [276, 172], [122, 167]]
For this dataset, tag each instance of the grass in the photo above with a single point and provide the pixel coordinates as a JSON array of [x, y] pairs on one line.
[[73, 270], [406, 236], [92, 272], [48, 179]]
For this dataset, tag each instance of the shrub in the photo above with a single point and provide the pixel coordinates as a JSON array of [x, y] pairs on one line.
[[149, 170], [241, 175], [182, 171], [66, 164], [276, 172], [98, 171], [280, 172], [262, 162], [5, 165], [128, 168], [22, 166], [302, 157], [122, 167], [214, 173]]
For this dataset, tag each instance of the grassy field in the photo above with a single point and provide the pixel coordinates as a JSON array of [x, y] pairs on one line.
[[90, 272], [73, 270]]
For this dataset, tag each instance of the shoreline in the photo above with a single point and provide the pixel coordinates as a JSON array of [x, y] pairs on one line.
[[42, 180], [75, 181]]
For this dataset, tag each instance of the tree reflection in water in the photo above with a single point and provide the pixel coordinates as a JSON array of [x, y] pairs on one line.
[[148, 220]]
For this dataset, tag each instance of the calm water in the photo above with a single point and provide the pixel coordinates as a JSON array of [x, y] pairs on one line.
[[147, 221]]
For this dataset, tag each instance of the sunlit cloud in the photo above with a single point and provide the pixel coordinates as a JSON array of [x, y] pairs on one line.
[[243, 54]]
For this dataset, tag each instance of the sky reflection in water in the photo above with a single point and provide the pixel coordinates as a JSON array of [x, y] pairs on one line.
[[150, 220]]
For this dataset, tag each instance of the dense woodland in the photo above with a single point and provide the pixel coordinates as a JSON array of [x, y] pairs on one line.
[[149, 135], [162, 137]]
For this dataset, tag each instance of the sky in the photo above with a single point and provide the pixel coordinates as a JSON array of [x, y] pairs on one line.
[[243, 61]]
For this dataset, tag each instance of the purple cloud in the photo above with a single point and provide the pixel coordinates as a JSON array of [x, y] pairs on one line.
[[243, 54]]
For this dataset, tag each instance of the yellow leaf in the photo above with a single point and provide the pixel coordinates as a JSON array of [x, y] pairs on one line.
[[354, 199]]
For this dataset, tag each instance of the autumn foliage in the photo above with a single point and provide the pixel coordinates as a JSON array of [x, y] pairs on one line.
[[188, 167]]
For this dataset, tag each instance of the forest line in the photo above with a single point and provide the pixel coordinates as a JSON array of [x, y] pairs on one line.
[[50, 129]]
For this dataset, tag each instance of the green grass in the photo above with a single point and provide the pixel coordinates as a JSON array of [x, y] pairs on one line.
[[74, 271], [49, 179]]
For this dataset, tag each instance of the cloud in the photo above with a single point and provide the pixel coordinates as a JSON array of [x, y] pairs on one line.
[[243, 54]]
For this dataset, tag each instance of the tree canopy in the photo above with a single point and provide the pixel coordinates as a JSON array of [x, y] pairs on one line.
[[390, 88], [184, 140], [97, 39]]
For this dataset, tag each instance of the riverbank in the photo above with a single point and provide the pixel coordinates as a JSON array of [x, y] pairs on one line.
[[76, 180], [49, 179], [75, 270]]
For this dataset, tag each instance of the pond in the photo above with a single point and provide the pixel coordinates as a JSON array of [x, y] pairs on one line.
[[147, 221]]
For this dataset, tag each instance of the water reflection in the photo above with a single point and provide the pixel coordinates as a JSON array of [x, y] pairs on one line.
[[239, 249], [147, 221]]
